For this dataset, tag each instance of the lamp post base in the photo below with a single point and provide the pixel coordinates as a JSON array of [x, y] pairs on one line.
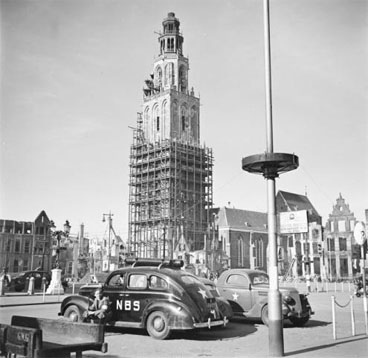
[[55, 288]]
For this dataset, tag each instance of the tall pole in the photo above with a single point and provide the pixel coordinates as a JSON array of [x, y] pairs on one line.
[[276, 339], [109, 216], [164, 243], [271, 164]]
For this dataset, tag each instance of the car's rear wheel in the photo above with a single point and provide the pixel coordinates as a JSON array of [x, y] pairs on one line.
[[158, 325], [299, 321], [264, 315], [73, 313]]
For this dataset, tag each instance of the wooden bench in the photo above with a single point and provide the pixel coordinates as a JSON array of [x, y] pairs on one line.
[[41, 337]]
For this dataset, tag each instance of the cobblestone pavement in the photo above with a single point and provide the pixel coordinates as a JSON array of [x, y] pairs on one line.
[[240, 339]]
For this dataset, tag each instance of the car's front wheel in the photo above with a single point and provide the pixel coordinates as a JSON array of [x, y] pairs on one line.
[[73, 313], [299, 321], [158, 325]]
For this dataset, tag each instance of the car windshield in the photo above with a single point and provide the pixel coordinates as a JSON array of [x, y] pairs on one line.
[[259, 278]]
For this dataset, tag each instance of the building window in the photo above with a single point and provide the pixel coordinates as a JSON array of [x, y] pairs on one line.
[[342, 244], [341, 226], [330, 244], [352, 225], [27, 247], [17, 246], [15, 266], [158, 123], [291, 241], [240, 252], [7, 245], [315, 248], [258, 253], [25, 265]]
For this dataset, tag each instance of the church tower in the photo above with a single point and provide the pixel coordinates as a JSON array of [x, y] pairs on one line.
[[170, 192]]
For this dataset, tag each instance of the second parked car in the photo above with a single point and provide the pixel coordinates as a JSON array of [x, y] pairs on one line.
[[247, 292]]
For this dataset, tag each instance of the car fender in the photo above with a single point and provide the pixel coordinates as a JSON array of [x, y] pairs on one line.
[[81, 302], [178, 315]]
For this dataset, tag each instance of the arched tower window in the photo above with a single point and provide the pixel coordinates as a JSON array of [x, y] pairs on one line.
[[146, 119], [175, 119], [183, 78], [184, 117], [169, 74], [158, 77], [194, 120], [156, 118], [165, 116]]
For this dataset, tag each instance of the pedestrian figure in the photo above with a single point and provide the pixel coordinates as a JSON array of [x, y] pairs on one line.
[[100, 308], [6, 277]]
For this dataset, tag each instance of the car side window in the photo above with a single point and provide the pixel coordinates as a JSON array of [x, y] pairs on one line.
[[137, 281], [157, 283], [117, 280], [237, 280]]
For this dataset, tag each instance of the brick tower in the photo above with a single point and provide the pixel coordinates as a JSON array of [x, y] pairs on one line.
[[170, 186]]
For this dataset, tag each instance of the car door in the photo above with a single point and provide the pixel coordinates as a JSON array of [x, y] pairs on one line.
[[115, 289], [236, 290], [137, 297]]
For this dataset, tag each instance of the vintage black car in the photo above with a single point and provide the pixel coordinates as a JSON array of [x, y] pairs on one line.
[[247, 292], [21, 281], [154, 295]]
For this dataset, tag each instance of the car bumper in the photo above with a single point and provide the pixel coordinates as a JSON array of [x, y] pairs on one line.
[[210, 323]]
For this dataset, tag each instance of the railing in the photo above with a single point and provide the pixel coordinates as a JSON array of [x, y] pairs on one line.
[[318, 286]]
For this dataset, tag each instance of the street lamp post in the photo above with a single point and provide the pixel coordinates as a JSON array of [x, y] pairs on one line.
[[109, 216], [55, 286], [59, 234], [270, 165], [361, 237]]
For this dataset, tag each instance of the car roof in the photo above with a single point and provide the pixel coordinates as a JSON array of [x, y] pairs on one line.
[[174, 273], [244, 270]]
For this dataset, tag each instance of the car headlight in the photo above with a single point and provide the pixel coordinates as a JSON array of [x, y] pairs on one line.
[[289, 300]]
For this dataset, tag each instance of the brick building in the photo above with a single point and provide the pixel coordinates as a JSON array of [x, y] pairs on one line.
[[339, 241], [26, 245], [300, 251], [241, 238]]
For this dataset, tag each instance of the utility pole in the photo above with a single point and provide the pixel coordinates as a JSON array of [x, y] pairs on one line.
[[164, 243], [109, 216]]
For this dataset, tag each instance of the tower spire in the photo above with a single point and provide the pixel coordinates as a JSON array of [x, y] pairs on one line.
[[171, 41]]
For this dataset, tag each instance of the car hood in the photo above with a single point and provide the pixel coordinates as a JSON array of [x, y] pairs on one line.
[[283, 290]]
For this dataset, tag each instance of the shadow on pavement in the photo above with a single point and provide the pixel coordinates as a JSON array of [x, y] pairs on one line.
[[232, 330], [324, 346], [310, 324]]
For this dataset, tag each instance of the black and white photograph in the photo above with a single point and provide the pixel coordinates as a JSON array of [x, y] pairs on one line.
[[183, 178]]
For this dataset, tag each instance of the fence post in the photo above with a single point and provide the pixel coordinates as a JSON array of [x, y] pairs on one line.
[[2, 286], [333, 317], [352, 315], [31, 288], [365, 312]]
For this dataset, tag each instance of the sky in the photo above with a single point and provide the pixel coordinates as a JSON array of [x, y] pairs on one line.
[[72, 73]]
